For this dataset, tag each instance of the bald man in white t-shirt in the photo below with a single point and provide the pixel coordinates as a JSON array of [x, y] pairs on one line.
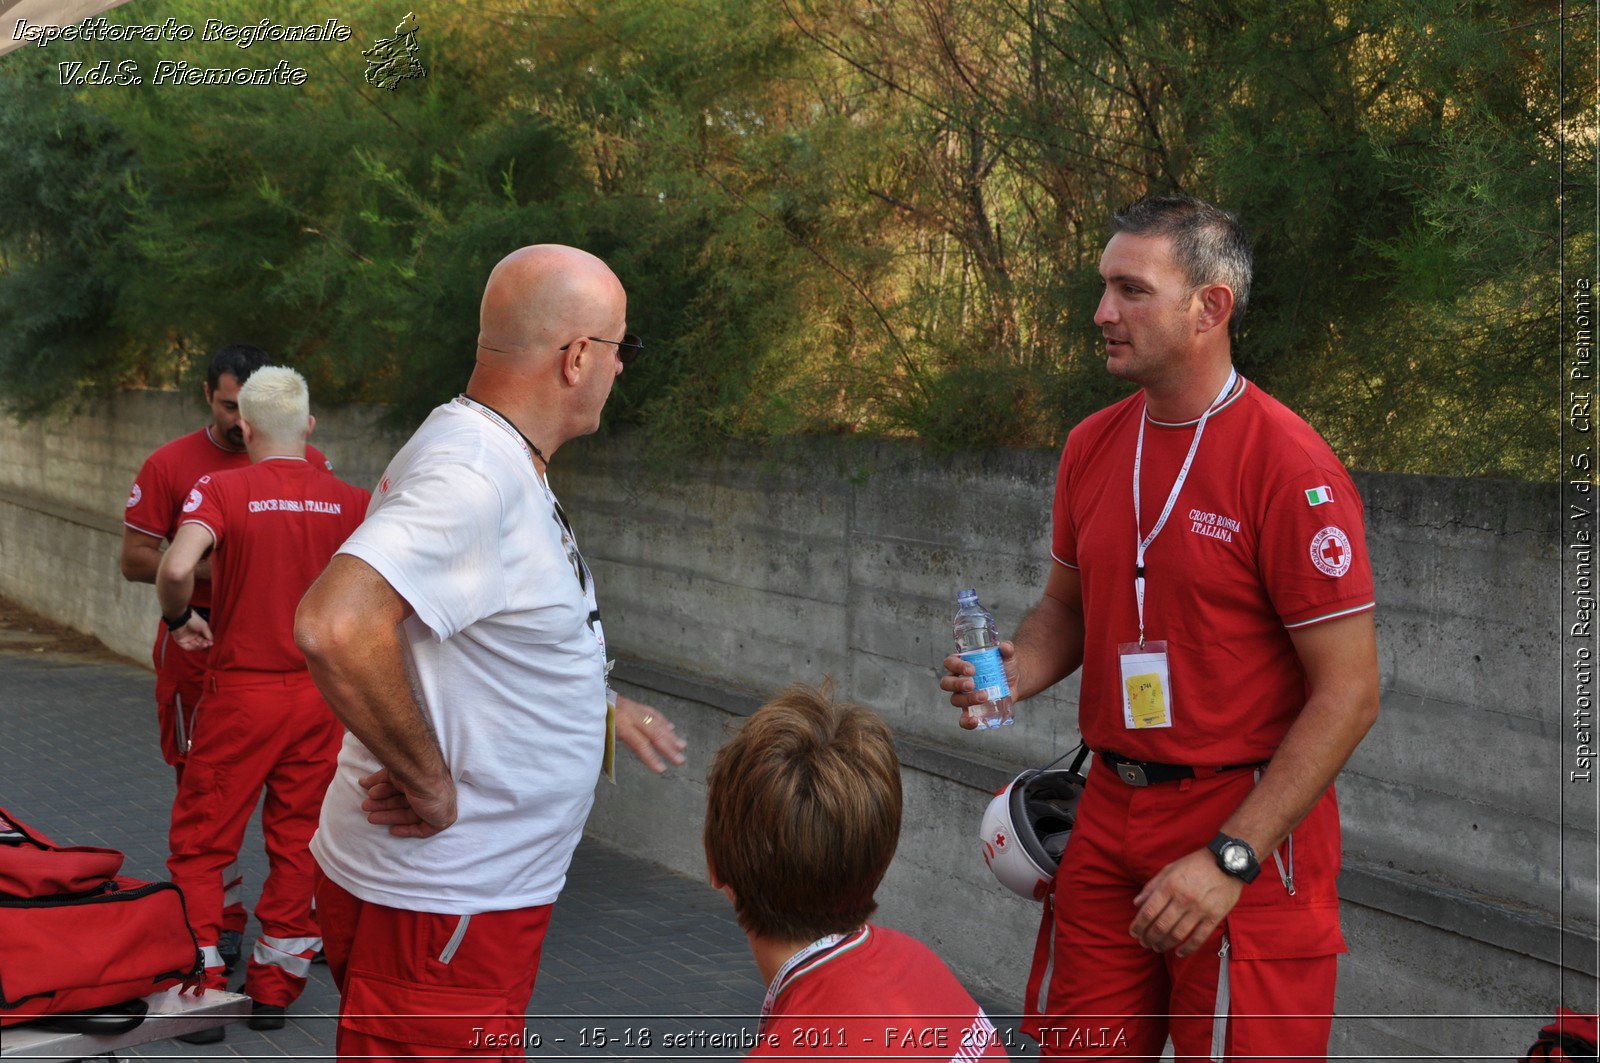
[[457, 636]]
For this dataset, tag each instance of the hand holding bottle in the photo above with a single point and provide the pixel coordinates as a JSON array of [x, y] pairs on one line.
[[981, 671]]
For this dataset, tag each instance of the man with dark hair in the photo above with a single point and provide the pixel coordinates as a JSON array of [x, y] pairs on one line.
[[154, 507], [1211, 578], [802, 819]]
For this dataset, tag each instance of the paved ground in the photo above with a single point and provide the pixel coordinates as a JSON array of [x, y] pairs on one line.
[[633, 950]]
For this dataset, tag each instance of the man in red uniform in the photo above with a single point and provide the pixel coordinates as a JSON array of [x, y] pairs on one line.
[[270, 529], [155, 503], [1211, 578], [802, 818]]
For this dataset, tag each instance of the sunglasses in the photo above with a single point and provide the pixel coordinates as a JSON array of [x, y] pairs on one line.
[[580, 567], [629, 347]]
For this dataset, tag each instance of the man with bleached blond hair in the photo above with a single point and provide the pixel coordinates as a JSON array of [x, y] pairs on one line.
[[269, 529], [153, 512]]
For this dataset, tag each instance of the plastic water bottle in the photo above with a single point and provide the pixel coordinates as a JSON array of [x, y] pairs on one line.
[[978, 641]]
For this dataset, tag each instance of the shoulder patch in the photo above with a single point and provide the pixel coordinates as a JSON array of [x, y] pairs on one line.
[[192, 503], [1331, 552], [1316, 496], [135, 495]]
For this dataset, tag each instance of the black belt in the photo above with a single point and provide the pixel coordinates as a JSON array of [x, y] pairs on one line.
[[1148, 772]]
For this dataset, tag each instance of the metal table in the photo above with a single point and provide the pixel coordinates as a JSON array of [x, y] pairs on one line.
[[171, 1013]]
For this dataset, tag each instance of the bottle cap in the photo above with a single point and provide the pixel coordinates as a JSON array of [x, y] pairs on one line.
[[967, 597]]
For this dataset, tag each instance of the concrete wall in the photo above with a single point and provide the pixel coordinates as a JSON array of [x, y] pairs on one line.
[[63, 487], [724, 578]]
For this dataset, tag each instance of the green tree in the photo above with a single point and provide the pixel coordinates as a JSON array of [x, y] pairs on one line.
[[61, 169], [873, 216]]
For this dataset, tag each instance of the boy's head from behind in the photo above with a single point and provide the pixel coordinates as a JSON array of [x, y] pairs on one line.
[[803, 814]]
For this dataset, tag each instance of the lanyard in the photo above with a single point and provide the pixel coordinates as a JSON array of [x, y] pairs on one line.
[[780, 981], [568, 539], [1143, 544], [499, 419]]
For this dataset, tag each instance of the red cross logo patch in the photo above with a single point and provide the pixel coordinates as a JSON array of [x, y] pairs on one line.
[[1330, 551], [1000, 839]]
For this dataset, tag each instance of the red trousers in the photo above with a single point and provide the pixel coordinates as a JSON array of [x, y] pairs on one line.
[[180, 679], [256, 730], [419, 985], [180, 684], [1267, 995]]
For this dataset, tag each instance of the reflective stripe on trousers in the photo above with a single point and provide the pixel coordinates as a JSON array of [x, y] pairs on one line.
[[291, 955], [1219, 1018], [454, 943]]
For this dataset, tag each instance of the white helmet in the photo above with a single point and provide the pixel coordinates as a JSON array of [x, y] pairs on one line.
[[1026, 826]]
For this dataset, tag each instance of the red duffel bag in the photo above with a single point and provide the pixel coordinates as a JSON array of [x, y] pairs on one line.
[[76, 936], [1572, 1037]]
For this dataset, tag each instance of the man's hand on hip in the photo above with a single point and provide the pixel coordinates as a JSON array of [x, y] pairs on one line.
[[416, 811], [1184, 903]]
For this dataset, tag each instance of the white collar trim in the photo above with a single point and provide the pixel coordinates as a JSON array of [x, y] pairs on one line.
[[1231, 399], [213, 441]]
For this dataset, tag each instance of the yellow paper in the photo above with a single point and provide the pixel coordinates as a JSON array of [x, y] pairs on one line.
[[1147, 700], [608, 763]]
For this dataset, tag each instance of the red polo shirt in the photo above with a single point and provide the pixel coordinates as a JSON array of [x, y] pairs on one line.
[[1266, 536], [879, 994], [155, 502], [275, 524]]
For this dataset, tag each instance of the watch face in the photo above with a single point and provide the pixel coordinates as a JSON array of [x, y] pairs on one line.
[[1234, 857]]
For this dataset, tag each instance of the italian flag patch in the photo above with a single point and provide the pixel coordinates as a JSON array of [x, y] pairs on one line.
[[1318, 495]]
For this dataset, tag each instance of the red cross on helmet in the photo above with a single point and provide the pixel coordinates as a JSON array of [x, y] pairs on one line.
[[1026, 826]]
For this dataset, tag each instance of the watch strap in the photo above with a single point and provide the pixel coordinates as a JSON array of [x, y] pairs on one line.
[[1246, 874]]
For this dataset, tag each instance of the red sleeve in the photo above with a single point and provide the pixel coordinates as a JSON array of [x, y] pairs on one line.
[[204, 507], [1314, 560], [1064, 534], [149, 500]]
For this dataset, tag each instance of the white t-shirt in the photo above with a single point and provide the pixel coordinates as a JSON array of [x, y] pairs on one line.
[[507, 659]]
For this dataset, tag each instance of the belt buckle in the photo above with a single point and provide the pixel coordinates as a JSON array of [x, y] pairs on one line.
[[1133, 774]]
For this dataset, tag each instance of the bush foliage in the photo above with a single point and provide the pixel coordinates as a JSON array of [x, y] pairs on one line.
[[848, 216]]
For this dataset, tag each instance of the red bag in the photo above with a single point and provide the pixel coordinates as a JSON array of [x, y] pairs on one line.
[[75, 935], [1571, 1036]]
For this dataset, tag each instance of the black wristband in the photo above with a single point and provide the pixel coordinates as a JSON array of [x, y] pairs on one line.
[[182, 619], [1235, 857]]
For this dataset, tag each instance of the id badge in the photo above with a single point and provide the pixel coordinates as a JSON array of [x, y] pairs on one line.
[[608, 760], [1146, 685]]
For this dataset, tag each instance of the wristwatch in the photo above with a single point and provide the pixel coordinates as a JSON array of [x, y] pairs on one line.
[[174, 623], [1235, 857]]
